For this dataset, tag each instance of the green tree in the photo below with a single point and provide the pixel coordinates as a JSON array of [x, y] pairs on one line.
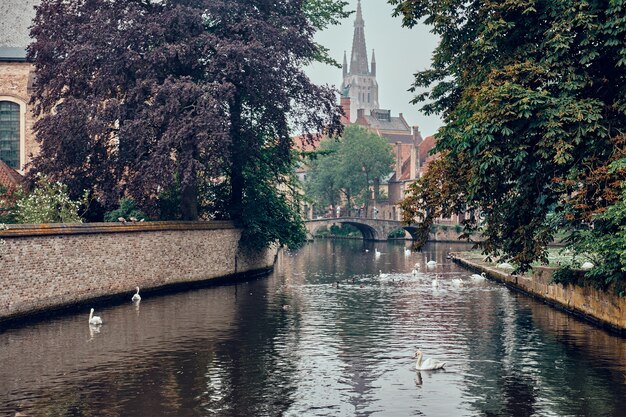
[[322, 183], [365, 159], [533, 95], [48, 202], [348, 167], [127, 210], [605, 242]]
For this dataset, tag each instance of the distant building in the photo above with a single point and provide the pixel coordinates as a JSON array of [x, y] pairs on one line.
[[359, 79], [17, 142]]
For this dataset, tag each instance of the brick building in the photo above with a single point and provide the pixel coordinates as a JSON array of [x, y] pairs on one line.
[[17, 143]]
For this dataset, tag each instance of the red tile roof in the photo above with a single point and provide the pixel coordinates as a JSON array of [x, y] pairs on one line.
[[9, 178], [304, 144], [424, 148]]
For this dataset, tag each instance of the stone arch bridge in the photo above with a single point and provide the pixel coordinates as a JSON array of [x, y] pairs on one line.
[[371, 229]]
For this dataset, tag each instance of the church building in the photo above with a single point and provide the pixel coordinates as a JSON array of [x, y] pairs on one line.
[[360, 103]]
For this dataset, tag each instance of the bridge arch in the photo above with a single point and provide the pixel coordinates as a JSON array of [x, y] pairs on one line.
[[368, 232], [371, 229]]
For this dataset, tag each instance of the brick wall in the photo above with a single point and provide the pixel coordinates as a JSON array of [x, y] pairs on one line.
[[49, 266], [14, 78]]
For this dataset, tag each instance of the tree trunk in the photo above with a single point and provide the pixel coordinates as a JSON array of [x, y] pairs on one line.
[[367, 193], [237, 157], [189, 202], [376, 189]]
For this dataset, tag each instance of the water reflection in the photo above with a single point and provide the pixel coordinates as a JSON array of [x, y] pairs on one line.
[[335, 350]]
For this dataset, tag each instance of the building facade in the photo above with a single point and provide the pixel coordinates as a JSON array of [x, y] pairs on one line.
[[17, 142]]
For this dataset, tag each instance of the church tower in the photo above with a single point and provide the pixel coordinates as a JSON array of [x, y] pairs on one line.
[[359, 82]]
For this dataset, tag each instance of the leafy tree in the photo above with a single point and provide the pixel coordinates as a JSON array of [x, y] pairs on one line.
[[8, 197], [127, 209], [321, 14], [365, 158], [48, 202], [171, 95], [533, 95], [605, 242], [349, 166], [322, 183]]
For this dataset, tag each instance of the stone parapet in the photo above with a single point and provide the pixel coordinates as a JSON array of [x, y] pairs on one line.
[[47, 267]]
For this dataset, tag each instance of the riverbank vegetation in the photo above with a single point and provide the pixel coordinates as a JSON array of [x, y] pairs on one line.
[[187, 108], [533, 96]]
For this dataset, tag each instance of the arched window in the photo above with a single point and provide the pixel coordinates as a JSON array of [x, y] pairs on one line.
[[10, 133]]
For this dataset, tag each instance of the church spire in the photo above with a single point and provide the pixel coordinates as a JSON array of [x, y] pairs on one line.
[[373, 72], [345, 65], [358, 60]]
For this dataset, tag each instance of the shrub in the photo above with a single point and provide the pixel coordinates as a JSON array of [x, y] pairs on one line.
[[49, 202], [127, 209]]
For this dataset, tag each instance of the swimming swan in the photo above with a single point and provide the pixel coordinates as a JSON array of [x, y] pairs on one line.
[[506, 265], [136, 297], [95, 320], [407, 252], [427, 365], [431, 263], [457, 282], [478, 278], [376, 252]]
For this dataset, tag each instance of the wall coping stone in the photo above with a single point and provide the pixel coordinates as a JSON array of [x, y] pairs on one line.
[[55, 229]]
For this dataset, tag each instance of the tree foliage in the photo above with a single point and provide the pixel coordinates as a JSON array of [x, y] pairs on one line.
[[127, 210], [48, 202], [142, 98], [323, 179], [347, 168], [533, 95]]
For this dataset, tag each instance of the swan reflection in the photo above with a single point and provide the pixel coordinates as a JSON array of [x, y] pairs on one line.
[[418, 378]]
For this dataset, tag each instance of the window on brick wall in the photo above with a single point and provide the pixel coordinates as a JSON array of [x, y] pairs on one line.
[[10, 133]]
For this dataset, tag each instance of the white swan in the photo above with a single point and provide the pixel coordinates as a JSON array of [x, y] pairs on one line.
[[380, 274], [478, 278], [436, 282], [457, 282], [136, 297], [376, 252], [431, 263], [407, 252], [506, 265], [587, 265], [428, 364], [95, 320]]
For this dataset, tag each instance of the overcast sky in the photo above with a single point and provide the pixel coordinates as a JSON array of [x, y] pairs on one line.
[[400, 52]]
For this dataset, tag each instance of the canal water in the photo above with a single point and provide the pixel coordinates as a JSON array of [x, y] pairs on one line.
[[325, 335]]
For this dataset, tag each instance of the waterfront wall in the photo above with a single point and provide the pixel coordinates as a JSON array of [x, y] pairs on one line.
[[600, 307], [44, 267]]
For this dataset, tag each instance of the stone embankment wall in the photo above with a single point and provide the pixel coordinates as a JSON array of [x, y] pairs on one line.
[[602, 308], [45, 267]]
